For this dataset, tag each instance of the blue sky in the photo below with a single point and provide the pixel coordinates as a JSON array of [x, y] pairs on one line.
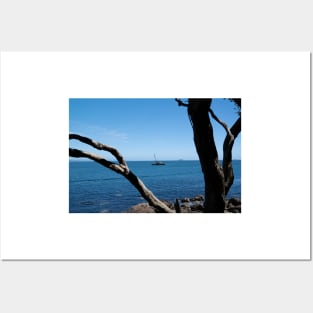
[[140, 128]]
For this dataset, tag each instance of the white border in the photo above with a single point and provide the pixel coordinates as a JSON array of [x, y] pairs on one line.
[[275, 89]]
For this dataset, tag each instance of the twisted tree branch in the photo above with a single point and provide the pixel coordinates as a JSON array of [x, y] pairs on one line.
[[227, 154], [120, 168], [99, 146], [232, 133]]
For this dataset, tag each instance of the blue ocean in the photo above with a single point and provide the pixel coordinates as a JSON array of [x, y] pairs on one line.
[[96, 189]]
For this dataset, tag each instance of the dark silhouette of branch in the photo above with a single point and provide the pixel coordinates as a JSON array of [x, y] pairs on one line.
[[181, 103], [121, 168], [236, 100], [220, 122]]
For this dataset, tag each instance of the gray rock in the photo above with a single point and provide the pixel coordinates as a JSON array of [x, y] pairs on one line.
[[141, 208]]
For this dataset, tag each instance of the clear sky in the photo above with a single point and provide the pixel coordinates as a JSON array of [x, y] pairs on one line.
[[140, 128]]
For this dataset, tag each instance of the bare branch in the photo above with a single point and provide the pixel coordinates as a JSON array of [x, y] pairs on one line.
[[227, 154], [220, 122], [120, 168], [100, 146], [181, 103], [232, 133], [236, 128]]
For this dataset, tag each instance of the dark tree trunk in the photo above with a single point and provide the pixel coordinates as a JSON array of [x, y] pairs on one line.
[[198, 110]]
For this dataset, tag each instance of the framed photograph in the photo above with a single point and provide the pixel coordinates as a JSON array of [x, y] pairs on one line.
[[201, 152], [89, 137]]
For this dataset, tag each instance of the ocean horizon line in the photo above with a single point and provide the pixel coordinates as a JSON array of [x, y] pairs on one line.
[[132, 160]]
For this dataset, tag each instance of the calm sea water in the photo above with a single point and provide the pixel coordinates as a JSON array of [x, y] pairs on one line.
[[95, 189]]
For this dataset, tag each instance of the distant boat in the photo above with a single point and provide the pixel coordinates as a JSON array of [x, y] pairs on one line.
[[157, 162]]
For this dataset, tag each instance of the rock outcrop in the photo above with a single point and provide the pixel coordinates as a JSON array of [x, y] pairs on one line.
[[186, 205]]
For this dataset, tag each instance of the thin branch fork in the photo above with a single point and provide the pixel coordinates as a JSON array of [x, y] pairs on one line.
[[100, 146], [228, 131]]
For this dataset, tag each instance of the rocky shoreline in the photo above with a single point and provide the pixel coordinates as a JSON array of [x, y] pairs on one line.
[[187, 205]]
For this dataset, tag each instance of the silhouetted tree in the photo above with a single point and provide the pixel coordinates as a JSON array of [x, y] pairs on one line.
[[217, 179]]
